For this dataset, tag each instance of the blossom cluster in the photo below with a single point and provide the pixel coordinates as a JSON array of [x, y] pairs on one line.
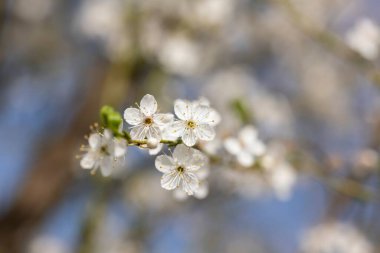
[[190, 135], [186, 169]]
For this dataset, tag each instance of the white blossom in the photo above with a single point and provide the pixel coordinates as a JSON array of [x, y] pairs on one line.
[[364, 38], [104, 152], [335, 238], [196, 121], [246, 147], [180, 169], [279, 173], [145, 121]]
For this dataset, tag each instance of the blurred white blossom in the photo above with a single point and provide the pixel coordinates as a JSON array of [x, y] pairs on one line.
[[246, 147], [180, 55], [335, 238], [104, 152], [364, 38], [105, 21], [280, 174]]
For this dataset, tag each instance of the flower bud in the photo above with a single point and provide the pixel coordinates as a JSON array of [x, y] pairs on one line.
[[152, 143]]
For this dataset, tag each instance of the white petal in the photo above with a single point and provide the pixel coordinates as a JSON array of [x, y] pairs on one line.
[[201, 113], [189, 137], [283, 180], [106, 166], [256, 148], [148, 105], [120, 147], [205, 132], [182, 154], [202, 191], [95, 140], [139, 132], [154, 132], [232, 145], [214, 118], [203, 173], [88, 161], [203, 101], [163, 118], [170, 181], [165, 164], [245, 159], [107, 136], [248, 134], [196, 161], [133, 116], [177, 128], [183, 109], [189, 183], [180, 194]]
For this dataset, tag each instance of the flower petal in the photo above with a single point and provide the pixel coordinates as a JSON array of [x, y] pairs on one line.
[[163, 118], [248, 134], [148, 105], [176, 129], [139, 132], [202, 191], [133, 116], [88, 161], [189, 137], [189, 183], [201, 113], [245, 159], [183, 109], [214, 118], [205, 132], [232, 145], [154, 132], [106, 166], [95, 140], [203, 173], [182, 154], [170, 181], [165, 164], [196, 161], [180, 194], [120, 147]]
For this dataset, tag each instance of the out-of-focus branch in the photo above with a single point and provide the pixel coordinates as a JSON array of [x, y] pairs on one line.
[[48, 178]]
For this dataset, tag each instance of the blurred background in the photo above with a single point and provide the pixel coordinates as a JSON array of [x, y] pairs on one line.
[[305, 73]]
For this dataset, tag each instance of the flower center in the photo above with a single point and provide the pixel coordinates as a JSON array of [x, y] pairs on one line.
[[180, 169], [148, 121], [191, 124], [104, 150]]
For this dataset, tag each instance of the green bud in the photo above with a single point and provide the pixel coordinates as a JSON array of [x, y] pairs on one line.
[[110, 118]]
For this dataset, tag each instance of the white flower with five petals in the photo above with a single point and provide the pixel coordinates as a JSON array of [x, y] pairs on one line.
[[180, 170], [104, 152], [145, 121], [196, 121]]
